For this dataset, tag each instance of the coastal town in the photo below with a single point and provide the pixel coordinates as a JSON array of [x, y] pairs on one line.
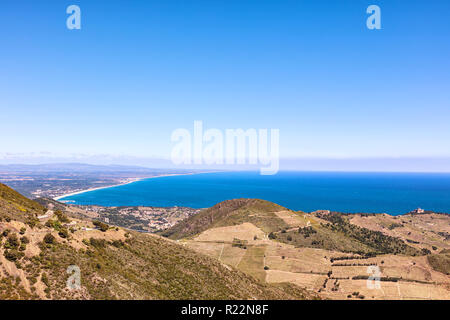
[[138, 218], [143, 219], [57, 180]]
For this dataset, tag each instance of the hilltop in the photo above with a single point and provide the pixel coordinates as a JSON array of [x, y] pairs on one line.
[[114, 263], [328, 253], [230, 212]]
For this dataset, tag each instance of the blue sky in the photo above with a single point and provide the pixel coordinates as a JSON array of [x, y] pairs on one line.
[[137, 70]]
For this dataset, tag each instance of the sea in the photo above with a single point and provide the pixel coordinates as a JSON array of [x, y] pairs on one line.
[[350, 192]]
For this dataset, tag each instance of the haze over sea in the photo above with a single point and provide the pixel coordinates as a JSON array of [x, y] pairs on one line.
[[393, 193]]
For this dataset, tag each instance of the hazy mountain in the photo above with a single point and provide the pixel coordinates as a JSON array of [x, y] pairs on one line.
[[76, 167]]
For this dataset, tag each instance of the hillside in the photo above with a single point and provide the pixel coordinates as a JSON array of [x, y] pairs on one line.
[[334, 232], [113, 263], [15, 206], [330, 254], [231, 212]]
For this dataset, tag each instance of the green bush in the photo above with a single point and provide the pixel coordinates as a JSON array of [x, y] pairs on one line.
[[63, 233], [25, 240], [61, 217], [98, 243], [13, 255], [49, 238], [101, 225], [12, 242]]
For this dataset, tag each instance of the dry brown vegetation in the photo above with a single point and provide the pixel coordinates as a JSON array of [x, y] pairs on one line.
[[114, 263], [328, 254]]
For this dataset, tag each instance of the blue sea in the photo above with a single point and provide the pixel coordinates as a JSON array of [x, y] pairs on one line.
[[393, 193]]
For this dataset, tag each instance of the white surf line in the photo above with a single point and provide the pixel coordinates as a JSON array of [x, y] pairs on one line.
[[129, 182], [95, 189]]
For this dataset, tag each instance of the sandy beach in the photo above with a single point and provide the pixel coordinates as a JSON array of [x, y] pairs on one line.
[[118, 185]]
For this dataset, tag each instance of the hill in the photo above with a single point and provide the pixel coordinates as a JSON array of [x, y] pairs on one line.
[[334, 232], [331, 254], [114, 263], [15, 206], [230, 212]]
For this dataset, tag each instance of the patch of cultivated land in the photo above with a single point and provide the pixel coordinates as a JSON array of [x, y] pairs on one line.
[[253, 261], [245, 231], [341, 268], [427, 231]]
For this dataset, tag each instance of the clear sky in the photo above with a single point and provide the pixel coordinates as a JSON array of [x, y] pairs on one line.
[[137, 70]]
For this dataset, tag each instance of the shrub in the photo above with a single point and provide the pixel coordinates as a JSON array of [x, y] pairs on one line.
[[55, 224], [44, 279], [49, 238], [22, 230], [13, 255], [63, 233], [25, 240], [32, 222], [117, 243], [12, 242], [101, 225], [62, 217], [98, 243]]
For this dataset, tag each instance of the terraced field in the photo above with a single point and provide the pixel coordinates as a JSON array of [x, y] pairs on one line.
[[331, 273]]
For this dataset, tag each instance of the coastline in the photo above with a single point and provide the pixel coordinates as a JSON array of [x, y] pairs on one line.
[[132, 180]]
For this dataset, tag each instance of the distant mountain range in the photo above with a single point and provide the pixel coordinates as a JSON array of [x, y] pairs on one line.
[[77, 167]]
